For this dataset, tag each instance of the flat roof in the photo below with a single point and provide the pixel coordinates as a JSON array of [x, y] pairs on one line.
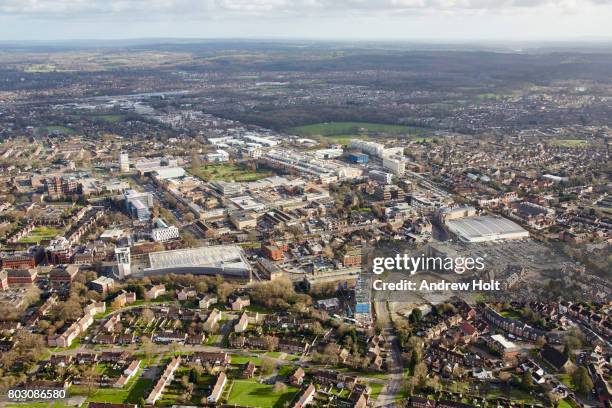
[[219, 257], [486, 228], [507, 344]]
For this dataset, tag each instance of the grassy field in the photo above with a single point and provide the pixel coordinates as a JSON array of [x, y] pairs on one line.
[[343, 132], [566, 379], [131, 393], [237, 359], [52, 128], [569, 142], [108, 118], [253, 394], [228, 171], [38, 68], [376, 390], [349, 128], [515, 394], [40, 234]]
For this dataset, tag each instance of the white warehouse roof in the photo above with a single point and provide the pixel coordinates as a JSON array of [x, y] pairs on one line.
[[485, 228]]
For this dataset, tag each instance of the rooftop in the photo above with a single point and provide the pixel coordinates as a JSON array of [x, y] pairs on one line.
[[220, 257], [485, 228]]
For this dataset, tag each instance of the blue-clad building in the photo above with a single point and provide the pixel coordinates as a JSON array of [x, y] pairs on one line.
[[360, 158]]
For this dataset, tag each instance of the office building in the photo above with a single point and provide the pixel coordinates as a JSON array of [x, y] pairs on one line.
[[124, 163]]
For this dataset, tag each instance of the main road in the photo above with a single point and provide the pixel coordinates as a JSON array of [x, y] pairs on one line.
[[388, 397]]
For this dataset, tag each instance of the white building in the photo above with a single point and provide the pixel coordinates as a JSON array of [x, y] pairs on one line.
[[124, 163], [164, 234], [397, 165], [169, 172], [371, 148], [219, 156], [252, 152], [122, 255]]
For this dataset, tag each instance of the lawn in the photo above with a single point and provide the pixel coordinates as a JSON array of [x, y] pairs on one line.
[[38, 68], [108, 118], [511, 314], [569, 142], [59, 128], [133, 391], [378, 376], [39, 234], [286, 370], [376, 390], [347, 128], [228, 172], [240, 360], [567, 381], [254, 394], [515, 394]]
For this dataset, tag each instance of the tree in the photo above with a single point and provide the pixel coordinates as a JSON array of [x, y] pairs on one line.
[[416, 315], [147, 316], [224, 289], [279, 388], [193, 375], [414, 360], [90, 377], [196, 162], [271, 342], [554, 398], [147, 346], [69, 310], [582, 380], [420, 372], [267, 365], [527, 381]]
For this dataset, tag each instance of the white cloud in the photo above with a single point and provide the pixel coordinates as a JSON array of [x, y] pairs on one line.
[[272, 8]]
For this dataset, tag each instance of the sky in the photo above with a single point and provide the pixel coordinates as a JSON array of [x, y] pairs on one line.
[[447, 20]]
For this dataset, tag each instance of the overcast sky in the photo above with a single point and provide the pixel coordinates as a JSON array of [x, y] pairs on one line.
[[317, 19]]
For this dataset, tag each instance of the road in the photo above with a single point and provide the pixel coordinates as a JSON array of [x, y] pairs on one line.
[[389, 393]]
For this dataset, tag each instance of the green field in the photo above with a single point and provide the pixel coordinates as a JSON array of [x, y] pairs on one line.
[[133, 391], [511, 314], [569, 143], [51, 128], [343, 132], [227, 172], [376, 390], [253, 394], [38, 68], [346, 128], [111, 118], [39, 234], [239, 360]]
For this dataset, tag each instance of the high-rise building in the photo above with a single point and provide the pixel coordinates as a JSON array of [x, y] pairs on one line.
[[363, 299], [137, 204], [124, 162], [122, 255]]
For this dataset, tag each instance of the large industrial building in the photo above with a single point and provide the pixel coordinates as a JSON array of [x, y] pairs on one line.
[[485, 228], [226, 260]]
